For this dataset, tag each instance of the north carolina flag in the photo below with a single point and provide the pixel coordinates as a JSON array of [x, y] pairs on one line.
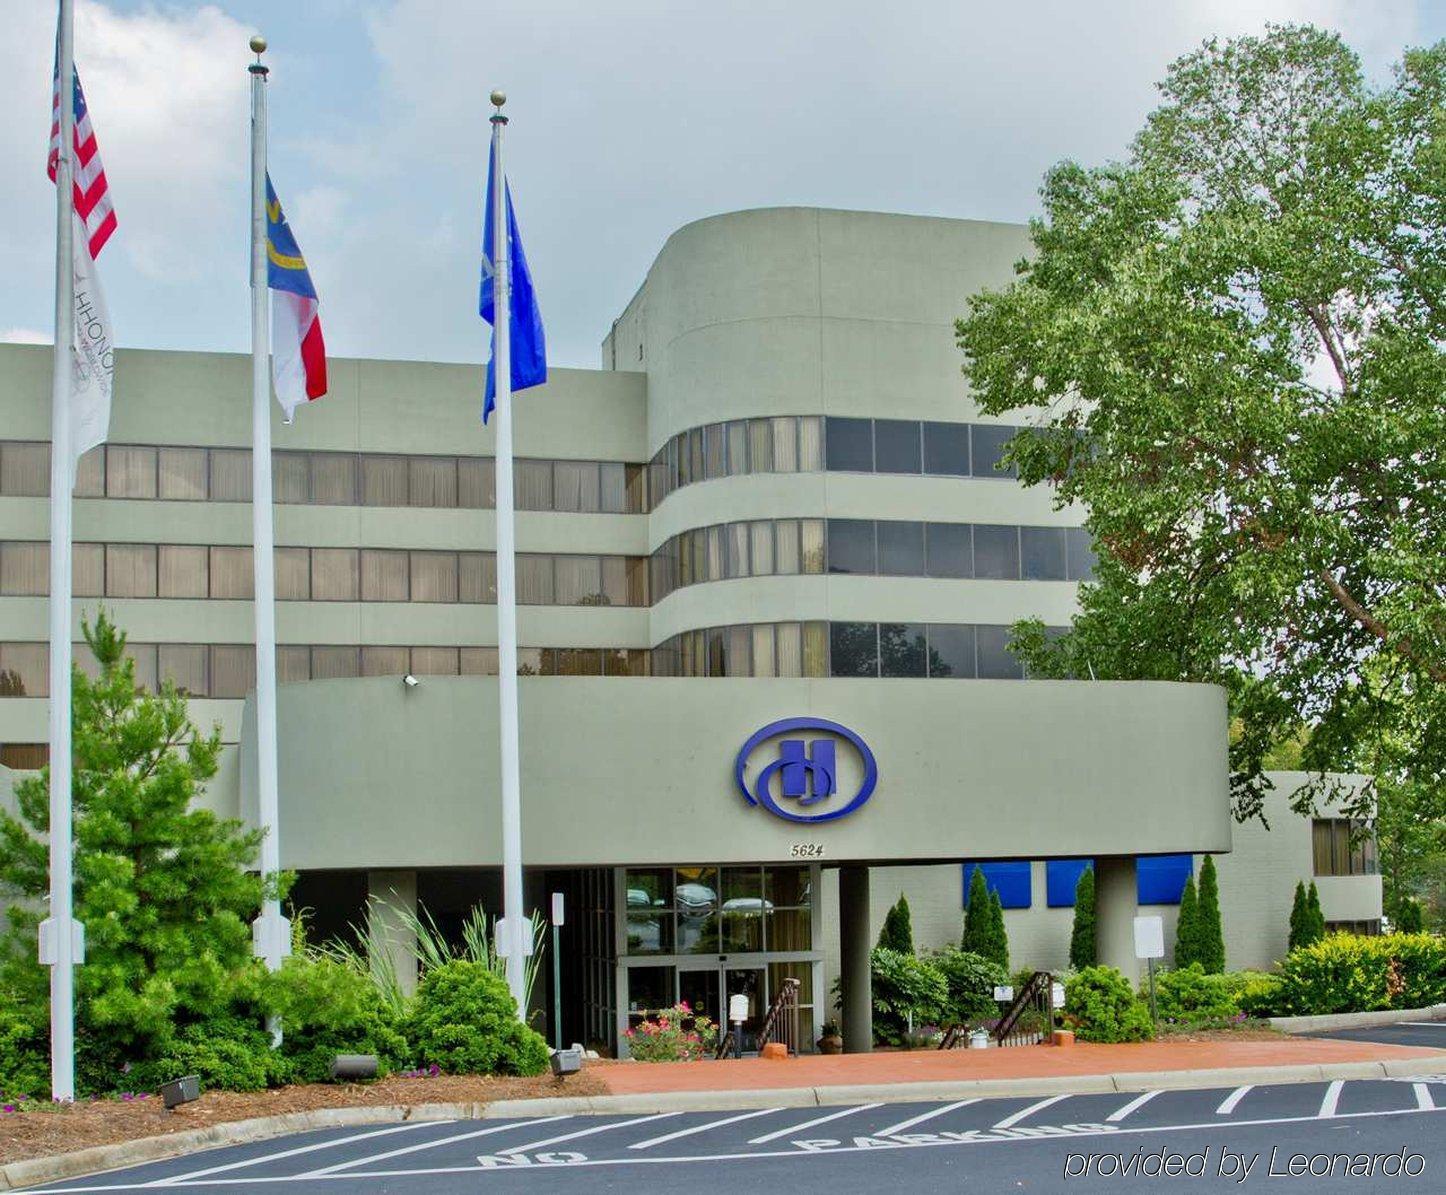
[[298, 354]]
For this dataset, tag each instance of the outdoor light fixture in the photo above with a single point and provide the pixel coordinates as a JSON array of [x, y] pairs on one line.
[[410, 681], [181, 1091], [355, 1066], [566, 1062]]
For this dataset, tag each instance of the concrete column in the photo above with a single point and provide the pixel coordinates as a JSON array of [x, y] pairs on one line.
[[1116, 903], [391, 898], [854, 971]]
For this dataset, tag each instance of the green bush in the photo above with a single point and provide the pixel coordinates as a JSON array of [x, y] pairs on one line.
[[1350, 973], [898, 930], [1082, 932], [1189, 996], [1103, 1007], [904, 988], [1259, 995], [24, 1056], [970, 981], [328, 1008], [464, 1020], [229, 1053]]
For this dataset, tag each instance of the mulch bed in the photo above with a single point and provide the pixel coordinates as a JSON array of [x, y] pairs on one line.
[[50, 1129]]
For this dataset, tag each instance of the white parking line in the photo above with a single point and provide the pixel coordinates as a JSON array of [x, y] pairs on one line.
[[1332, 1098], [1227, 1106], [808, 1124], [1423, 1097], [599, 1128], [702, 1128], [920, 1119], [1010, 1121], [1424, 1024], [411, 1149], [1138, 1102], [291, 1153]]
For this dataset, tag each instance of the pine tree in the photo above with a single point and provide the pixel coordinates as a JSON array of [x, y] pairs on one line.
[[1299, 916], [978, 918], [998, 938], [164, 889], [898, 931], [1186, 939], [1082, 947], [1210, 936], [1408, 919], [1317, 928]]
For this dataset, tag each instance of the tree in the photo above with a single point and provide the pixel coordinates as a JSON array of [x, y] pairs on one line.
[[1317, 926], [998, 938], [162, 887], [978, 918], [1187, 940], [1408, 918], [1083, 950], [1299, 917], [1230, 350], [1209, 935], [898, 931]]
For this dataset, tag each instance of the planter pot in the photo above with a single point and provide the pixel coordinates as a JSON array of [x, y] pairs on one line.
[[830, 1045]]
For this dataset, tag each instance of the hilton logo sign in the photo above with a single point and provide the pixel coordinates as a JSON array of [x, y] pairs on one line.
[[805, 770]]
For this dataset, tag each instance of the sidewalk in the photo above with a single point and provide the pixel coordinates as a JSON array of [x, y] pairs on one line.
[[1012, 1063]]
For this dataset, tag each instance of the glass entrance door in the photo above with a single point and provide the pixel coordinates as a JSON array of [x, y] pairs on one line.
[[749, 982], [698, 988]]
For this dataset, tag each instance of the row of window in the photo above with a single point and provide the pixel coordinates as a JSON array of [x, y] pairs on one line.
[[1343, 847], [712, 910], [326, 574], [900, 548], [184, 474], [778, 444], [1159, 880]]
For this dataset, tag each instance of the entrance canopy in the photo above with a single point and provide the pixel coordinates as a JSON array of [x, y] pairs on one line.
[[661, 770]]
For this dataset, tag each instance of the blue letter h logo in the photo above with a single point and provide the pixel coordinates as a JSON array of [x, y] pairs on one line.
[[799, 769]]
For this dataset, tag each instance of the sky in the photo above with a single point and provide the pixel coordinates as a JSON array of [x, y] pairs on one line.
[[629, 118]]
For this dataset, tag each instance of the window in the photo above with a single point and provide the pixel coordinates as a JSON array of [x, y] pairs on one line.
[[760, 535], [851, 546], [996, 553], [1081, 554], [24, 569], [185, 571], [185, 665], [434, 481], [989, 440], [810, 444], [1042, 550], [24, 670], [87, 570], [385, 481], [230, 573], [291, 477], [24, 470], [951, 650], [896, 446], [130, 472], [849, 445], [182, 474], [1342, 847], [785, 445], [996, 661], [476, 483], [90, 474], [385, 661], [334, 662], [577, 581], [435, 661], [293, 663], [335, 575], [854, 648], [233, 669], [760, 447], [534, 579], [902, 649], [532, 485], [575, 486], [130, 570], [715, 451], [613, 484], [384, 575], [293, 574], [434, 577], [333, 478], [901, 549], [950, 550], [230, 475], [946, 449]]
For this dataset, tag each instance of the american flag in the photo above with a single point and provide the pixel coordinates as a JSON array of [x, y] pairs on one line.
[[92, 194]]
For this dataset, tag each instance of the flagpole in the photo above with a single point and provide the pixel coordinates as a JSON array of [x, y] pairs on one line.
[[270, 930], [58, 944], [506, 576]]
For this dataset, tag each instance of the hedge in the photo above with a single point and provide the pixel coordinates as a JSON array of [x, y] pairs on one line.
[[1351, 973]]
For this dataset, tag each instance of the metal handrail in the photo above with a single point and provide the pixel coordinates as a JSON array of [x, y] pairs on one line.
[[1036, 996]]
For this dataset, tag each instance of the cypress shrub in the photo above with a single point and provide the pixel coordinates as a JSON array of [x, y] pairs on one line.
[[1209, 935], [1299, 916], [1083, 951], [998, 939], [898, 931], [1317, 927], [1186, 940], [978, 920]]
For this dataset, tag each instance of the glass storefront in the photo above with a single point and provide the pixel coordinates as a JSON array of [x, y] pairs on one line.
[[703, 933]]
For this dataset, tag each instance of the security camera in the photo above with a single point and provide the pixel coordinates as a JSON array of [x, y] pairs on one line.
[[410, 681]]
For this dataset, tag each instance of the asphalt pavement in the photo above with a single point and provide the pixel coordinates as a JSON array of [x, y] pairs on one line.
[[1402, 1033], [1320, 1136]]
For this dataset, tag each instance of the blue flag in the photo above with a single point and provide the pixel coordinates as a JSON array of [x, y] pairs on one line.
[[529, 350]]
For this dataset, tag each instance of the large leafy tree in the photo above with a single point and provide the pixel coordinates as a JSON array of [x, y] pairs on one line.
[[162, 885], [1231, 349]]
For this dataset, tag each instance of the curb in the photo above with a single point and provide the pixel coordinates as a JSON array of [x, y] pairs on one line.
[[1356, 1020], [40, 1171]]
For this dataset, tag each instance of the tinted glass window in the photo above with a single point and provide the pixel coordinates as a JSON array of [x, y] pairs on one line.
[[1081, 554], [901, 649], [901, 549], [853, 648], [950, 550], [849, 445], [946, 449], [951, 651], [995, 660], [851, 546], [996, 553], [1042, 552], [989, 441], [896, 446]]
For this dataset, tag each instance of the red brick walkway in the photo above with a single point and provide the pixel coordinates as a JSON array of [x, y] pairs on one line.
[[1019, 1062]]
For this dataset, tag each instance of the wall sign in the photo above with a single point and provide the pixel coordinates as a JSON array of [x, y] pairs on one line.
[[805, 770]]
